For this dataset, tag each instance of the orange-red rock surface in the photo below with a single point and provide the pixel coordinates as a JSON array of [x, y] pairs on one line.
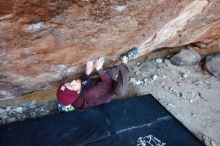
[[43, 42]]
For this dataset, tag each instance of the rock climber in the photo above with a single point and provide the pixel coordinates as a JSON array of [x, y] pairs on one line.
[[88, 91]]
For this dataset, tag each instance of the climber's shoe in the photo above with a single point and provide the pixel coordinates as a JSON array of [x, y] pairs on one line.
[[131, 53]]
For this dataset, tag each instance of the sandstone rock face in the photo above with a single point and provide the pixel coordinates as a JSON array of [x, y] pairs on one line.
[[43, 42]]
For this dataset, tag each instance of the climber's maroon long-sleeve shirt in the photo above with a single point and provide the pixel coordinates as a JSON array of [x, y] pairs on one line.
[[96, 92]]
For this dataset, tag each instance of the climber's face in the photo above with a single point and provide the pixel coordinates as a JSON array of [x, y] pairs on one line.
[[76, 85]]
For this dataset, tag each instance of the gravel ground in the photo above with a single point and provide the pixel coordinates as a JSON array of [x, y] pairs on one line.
[[189, 93], [26, 110]]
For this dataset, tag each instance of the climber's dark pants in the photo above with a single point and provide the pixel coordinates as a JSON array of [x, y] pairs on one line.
[[120, 76]]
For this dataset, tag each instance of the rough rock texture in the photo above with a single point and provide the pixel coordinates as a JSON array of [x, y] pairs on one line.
[[213, 64], [186, 57], [42, 42]]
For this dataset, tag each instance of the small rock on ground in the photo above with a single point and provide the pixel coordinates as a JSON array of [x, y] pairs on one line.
[[13, 119], [8, 108], [154, 77], [159, 60], [2, 110], [18, 109], [185, 75]]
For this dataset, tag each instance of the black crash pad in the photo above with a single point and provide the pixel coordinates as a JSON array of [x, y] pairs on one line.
[[140, 121]]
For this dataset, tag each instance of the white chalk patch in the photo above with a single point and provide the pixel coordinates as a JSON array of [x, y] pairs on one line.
[[71, 69], [62, 88], [36, 26], [61, 66], [120, 8]]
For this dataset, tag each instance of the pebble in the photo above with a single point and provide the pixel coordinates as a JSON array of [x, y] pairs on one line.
[[19, 117], [3, 122], [171, 105], [179, 94], [2, 110], [139, 82], [213, 143], [11, 120], [41, 110], [133, 80], [154, 77], [33, 104], [179, 83], [162, 83], [8, 108], [165, 87], [168, 56], [163, 76], [144, 75], [158, 70], [23, 116], [33, 115], [208, 141], [4, 117], [24, 109], [145, 80], [150, 81], [192, 114], [18, 109], [173, 91], [159, 60], [171, 88], [11, 111], [203, 83], [185, 75]]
